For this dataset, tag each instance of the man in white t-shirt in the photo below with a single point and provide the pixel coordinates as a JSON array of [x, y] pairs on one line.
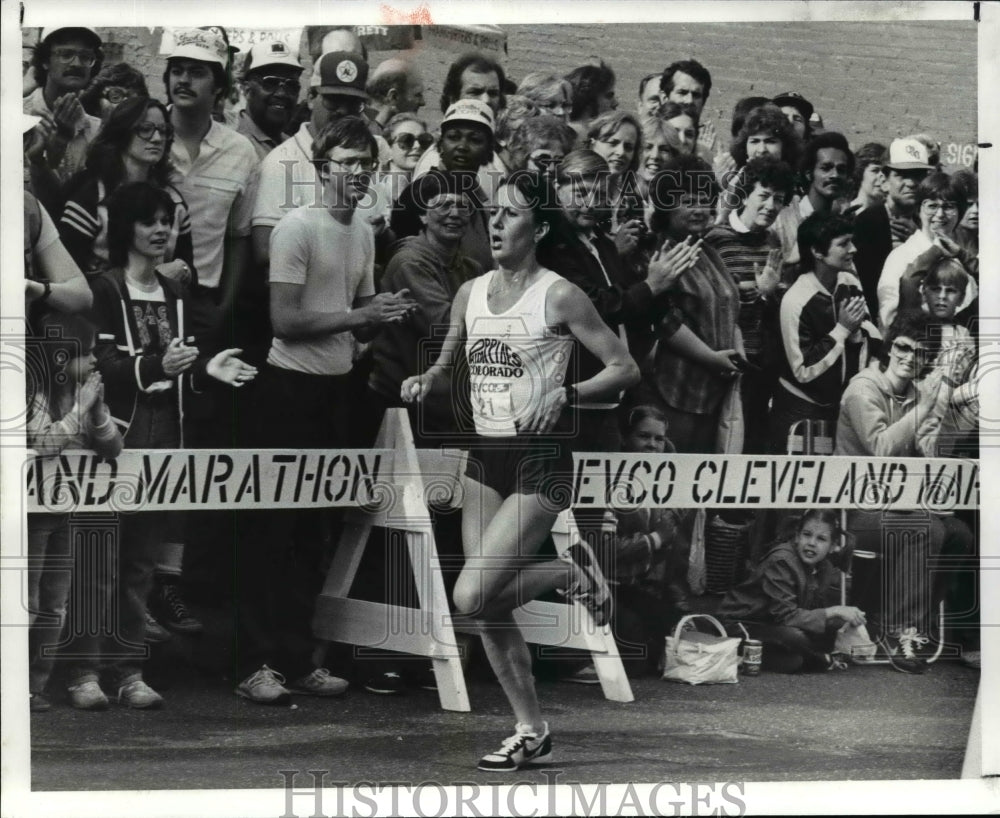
[[322, 297]]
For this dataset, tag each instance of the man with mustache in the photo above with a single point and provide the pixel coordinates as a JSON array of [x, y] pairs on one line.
[[878, 230], [271, 83], [217, 169], [64, 61]]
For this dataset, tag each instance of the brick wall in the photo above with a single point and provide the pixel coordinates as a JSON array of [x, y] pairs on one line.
[[871, 80]]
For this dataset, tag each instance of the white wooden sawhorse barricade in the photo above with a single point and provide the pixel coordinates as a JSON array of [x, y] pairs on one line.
[[430, 629]]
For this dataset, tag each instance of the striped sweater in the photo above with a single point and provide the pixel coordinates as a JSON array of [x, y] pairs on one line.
[[83, 226]]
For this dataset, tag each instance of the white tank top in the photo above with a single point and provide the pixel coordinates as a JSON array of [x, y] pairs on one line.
[[514, 356]]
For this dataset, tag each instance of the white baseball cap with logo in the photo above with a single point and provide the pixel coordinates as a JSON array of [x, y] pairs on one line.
[[469, 110], [199, 44], [275, 52], [908, 154]]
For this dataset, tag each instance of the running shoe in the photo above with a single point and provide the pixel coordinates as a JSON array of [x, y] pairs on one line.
[[266, 686], [319, 683], [519, 750], [590, 589]]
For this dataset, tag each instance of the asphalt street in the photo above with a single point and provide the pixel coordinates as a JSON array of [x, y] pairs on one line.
[[867, 723]]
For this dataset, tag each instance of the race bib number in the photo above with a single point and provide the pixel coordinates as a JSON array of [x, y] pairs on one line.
[[493, 408]]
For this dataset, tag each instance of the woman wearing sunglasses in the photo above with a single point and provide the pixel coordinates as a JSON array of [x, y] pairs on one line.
[[408, 141], [133, 145]]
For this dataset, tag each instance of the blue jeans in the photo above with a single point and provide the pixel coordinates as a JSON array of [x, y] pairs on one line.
[[50, 574]]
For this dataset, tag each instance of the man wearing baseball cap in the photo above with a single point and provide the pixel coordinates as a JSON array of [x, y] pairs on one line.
[[64, 61], [799, 111], [271, 74], [288, 177], [218, 170], [878, 230], [465, 147]]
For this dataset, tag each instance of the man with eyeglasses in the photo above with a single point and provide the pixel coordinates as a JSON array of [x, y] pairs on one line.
[[878, 230], [288, 177], [271, 85], [64, 61], [322, 298], [394, 88]]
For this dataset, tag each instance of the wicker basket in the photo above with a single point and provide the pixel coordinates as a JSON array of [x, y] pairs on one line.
[[725, 544]]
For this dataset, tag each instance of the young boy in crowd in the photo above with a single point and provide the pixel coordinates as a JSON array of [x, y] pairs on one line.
[[790, 600]]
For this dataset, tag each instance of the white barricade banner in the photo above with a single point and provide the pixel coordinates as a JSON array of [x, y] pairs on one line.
[[204, 479], [626, 481]]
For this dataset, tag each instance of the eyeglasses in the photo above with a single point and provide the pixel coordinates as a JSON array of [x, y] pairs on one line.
[[406, 141], [147, 129], [67, 55], [340, 102], [115, 94], [904, 348], [949, 208], [271, 85], [449, 205], [545, 162], [359, 167]]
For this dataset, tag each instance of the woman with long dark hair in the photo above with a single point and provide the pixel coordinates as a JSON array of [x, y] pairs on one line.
[[133, 145]]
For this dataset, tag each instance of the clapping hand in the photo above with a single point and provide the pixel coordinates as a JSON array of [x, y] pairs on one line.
[[389, 308], [178, 358], [708, 139], [667, 264], [90, 393], [228, 368], [851, 313]]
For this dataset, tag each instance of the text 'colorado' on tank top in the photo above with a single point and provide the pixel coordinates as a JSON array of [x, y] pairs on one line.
[[514, 357]]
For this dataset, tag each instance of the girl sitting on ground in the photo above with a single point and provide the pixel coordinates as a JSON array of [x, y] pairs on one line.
[[789, 601]]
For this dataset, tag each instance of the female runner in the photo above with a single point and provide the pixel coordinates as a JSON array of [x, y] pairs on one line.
[[518, 323]]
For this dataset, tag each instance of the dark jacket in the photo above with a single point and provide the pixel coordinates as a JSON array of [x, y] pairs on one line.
[[782, 590], [622, 301], [128, 370], [873, 240], [411, 347]]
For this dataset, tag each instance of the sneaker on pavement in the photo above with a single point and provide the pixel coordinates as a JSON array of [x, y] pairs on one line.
[[39, 702], [87, 696], [173, 612], [139, 696], [901, 649], [586, 675], [319, 683], [155, 632], [590, 588], [523, 748], [386, 684], [266, 686]]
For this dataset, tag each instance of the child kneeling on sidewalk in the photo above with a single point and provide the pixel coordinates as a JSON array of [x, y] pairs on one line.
[[789, 602]]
